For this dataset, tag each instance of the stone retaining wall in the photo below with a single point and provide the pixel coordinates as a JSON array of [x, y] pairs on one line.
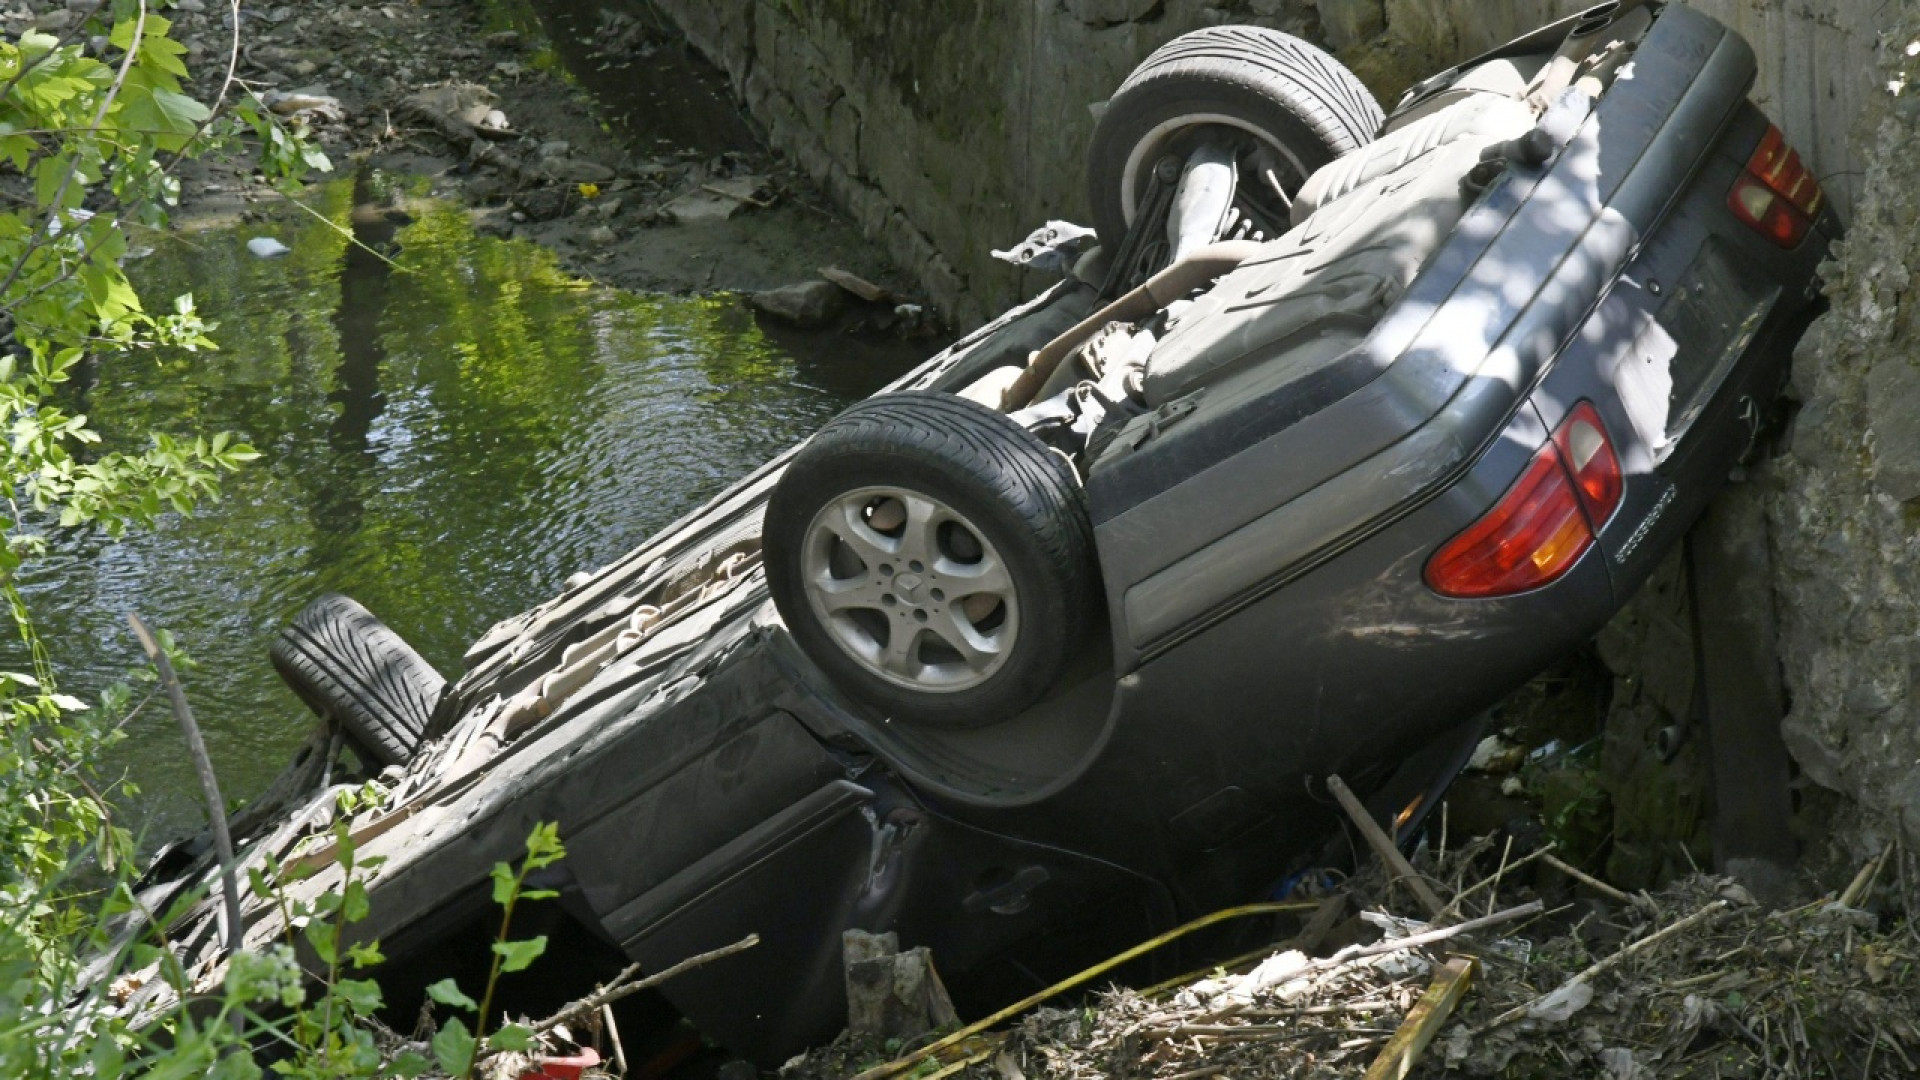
[[951, 127]]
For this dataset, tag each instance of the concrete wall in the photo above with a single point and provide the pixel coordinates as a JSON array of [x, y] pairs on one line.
[[951, 127], [946, 127]]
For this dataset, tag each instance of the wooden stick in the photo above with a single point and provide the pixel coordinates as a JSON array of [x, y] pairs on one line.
[[1589, 880], [619, 987], [1397, 1058], [1384, 847], [1416, 941], [203, 765], [1520, 1010], [613, 1036]]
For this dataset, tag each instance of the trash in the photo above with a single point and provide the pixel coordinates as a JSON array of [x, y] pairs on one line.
[[1559, 1006], [563, 1068], [266, 247], [303, 103]]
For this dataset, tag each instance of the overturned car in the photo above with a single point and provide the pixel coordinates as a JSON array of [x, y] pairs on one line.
[[1348, 425]]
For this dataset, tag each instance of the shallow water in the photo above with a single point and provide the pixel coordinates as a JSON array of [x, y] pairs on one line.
[[445, 440]]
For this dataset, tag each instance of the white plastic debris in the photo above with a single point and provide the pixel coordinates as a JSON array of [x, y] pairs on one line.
[[1560, 1005]]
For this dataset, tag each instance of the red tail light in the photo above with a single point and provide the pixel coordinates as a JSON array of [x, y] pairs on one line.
[[1777, 196], [1544, 523]]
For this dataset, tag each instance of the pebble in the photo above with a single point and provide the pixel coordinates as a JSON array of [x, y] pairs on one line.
[[194, 6], [603, 235]]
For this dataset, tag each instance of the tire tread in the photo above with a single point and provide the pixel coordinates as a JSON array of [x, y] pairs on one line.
[[345, 663]]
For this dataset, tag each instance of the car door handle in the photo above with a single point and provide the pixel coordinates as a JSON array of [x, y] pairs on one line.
[[1010, 897]]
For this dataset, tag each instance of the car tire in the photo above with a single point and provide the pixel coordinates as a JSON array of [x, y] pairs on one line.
[[348, 666], [1281, 91], [933, 558]]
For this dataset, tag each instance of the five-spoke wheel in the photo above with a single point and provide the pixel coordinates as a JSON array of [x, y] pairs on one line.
[[933, 557]]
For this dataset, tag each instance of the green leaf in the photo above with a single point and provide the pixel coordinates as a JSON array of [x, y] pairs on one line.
[[365, 955], [353, 902], [516, 955], [162, 115], [324, 939], [517, 1037], [504, 883], [453, 1047], [235, 1066], [543, 845], [408, 1065], [447, 992], [361, 995]]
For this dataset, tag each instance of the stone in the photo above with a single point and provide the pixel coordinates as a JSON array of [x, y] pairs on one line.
[[1347, 23], [602, 236], [577, 171], [1893, 411], [700, 207], [809, 305], [1109, 12], [542, 204], [892, 995]]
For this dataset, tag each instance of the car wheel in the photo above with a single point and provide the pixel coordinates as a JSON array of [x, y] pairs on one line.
[[933, 557], [1289, 107], [346, 665]]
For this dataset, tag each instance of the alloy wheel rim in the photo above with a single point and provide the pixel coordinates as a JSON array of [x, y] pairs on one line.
[[910, 589]]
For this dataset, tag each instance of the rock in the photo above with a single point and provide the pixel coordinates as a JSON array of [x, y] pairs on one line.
[[1349, 22], [890, 994], [809, 305], [1109, 12], [701, 207], [557, 148], [194, 6], [603, 236], [747, 189], [577, 171], [455, 100], [542, 204], [266, 247], [858, 286], [1893, 410], [504, 39]]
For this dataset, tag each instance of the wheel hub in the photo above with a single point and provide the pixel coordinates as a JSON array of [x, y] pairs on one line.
[[910, 589]]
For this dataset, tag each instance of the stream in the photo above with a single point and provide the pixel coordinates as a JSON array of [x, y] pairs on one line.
[[450, 426]]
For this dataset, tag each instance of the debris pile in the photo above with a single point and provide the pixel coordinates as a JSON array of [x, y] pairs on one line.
[[1533, 969]]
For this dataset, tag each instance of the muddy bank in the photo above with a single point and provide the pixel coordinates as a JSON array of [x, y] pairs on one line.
[[613, 147]]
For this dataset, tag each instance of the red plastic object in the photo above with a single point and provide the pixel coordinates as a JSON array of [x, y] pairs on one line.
[[563, 1068], [1543, 524], [1778, 196]]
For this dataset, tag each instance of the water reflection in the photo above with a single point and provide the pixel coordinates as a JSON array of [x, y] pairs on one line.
[[445, 441]]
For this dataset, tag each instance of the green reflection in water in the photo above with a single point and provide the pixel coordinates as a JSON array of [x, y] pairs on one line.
[[446, 443]]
